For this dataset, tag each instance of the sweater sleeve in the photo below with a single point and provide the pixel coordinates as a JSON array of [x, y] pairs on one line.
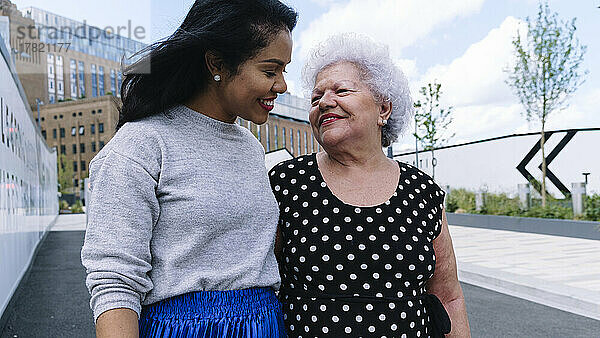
[[122, 210]]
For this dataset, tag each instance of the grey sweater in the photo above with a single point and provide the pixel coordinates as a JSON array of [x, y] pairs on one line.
[[179, 202]]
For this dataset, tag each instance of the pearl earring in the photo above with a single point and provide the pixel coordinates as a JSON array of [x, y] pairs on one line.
[[384, 122], [217, 77]]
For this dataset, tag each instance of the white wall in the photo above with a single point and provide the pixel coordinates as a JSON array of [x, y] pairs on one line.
[[28, 183], [493, 164]]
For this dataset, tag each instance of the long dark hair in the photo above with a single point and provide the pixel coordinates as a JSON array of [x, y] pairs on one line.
[[173, 70]]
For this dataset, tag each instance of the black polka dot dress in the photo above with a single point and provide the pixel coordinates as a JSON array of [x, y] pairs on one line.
[[352, 271]]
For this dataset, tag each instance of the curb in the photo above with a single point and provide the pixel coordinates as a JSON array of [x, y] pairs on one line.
[[567, 298]]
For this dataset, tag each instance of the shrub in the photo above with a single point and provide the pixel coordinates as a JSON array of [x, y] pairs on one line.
[[460, 199], [592, 208], [77, 207], [63, 205]]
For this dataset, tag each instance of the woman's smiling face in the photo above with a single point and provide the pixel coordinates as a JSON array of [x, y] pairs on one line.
[[251, 93], [343, 107]]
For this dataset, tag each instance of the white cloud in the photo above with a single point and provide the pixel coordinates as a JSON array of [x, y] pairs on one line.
[[477, 77], [397, 23]]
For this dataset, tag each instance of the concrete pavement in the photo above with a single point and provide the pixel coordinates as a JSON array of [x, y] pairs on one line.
[[560, 272]]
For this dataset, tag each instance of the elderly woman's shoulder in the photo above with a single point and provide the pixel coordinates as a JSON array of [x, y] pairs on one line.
[[419, 178], [293, 168]]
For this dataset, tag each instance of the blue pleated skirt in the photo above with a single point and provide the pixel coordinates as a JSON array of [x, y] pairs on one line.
[[248, 313]]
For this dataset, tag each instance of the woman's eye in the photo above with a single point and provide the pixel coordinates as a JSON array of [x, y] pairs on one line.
[[315, 100], [270, 74], [341, 90]]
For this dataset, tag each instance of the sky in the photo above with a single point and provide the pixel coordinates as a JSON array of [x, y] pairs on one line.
[[462, 44]]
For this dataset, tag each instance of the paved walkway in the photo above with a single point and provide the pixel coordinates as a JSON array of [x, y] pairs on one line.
[[560, 272], [556, 271]]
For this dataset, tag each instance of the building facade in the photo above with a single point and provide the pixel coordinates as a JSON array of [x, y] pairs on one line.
[[287, 127], [79, 129]]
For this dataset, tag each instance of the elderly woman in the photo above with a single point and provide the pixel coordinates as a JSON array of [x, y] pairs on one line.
[[365, 248]]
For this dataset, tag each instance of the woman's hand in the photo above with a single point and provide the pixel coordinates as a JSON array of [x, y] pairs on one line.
[[445, 285], [121, 323]]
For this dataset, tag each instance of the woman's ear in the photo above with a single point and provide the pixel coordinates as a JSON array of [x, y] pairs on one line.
[[214, 64], [386, 110]]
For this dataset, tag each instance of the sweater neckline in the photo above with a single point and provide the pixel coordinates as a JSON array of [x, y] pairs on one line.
[[206, 121]]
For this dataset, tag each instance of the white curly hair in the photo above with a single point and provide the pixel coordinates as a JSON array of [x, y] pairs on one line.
[[386, 81]]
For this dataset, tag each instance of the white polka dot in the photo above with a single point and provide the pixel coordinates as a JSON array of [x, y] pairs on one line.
[[375, 257], [394, 327], [388, 267], [337, 247], [382, 228], [408, 247], [359, 318], [343, 286], [329, 277], [386, 247], [325, 329], [363, 266], [325, 220], [399, 257], [371, 328], [357, 210], [335, 319], [315, 194], [325, 202], [336, 228], [347, 219], [282, 175], [348, 237], [382, 317], [403, 315], [372, 237], [411, 267], [350, 257], [366, 286], [369, 219], [336, 210], [353, 276], [339, 267], [375, 275], [359, 228], [325, 238], [345, 307], [347, 329], [369, 307], [362, 246], [391, 219]]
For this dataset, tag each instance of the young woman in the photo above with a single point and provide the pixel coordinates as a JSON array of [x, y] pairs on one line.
[[182, 221]]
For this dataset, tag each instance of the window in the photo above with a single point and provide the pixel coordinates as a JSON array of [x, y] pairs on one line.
[[80, 113], [275, 138], [305, 143], [63, 149], [94, 81], [73, 78], [258, 133], [99, 111], [101, 80], [118, 84], [80, 68], [100, 128], [81, 130], [113, 82], [292, 140], [93, 147], [74, 114], [82, 148], [74, 148], [55, 117], [54, 133], [101, 144], [82, 163], [283, 136], [60, 116], [75, 166], [44, 134], [62, 132], [93, 129], [268, 140], [299, 143], [73, 131], [93, 112]]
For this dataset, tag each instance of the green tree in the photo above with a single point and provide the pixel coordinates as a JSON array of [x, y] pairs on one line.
[[65, 173], [545, 70], [432, 120]]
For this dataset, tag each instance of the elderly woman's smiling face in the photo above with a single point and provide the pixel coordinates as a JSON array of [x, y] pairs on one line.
[[344, 111]]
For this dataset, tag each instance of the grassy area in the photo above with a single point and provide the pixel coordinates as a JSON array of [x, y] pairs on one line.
[[462, 200]]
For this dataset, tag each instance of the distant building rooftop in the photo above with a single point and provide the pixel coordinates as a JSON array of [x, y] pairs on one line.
[[104, 43]]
